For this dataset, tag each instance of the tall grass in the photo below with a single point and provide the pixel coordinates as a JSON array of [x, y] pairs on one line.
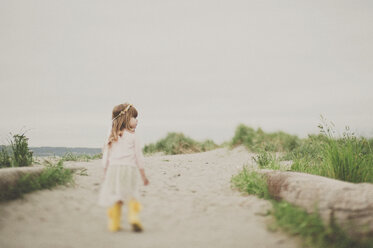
[[69, 156], [251, 182], [178, 143], [267, 160], [257, 140], [295, 220], [17, 154], [5, 160], [52, 175], [347, 157], [21, 155]]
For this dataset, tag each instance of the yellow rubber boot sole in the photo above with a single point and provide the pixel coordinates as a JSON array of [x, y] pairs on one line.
[[134, 208]]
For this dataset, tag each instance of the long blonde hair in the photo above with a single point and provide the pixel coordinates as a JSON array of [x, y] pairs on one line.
[[121, 121]]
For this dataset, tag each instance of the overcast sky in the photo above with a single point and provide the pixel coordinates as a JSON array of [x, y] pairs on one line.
[[199, 67]]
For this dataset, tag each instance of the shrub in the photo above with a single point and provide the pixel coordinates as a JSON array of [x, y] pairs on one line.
[[251, 182], [349, 158], [69, 156], [244, 135], [296, 220], [52, 175], [264, 159], [259, 140], [21, 155], [178, 143], [308, 148], [5, 160], [17, 154]]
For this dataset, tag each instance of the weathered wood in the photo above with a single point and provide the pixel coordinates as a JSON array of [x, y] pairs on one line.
[[350, 205]]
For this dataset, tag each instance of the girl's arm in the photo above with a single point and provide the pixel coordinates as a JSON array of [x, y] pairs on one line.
[[140, 160], [105, 157], [138, 153], [106, 151]]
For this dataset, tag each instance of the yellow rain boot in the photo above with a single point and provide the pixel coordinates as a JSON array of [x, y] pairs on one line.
[[118, 215], [111, 223], [134, 208], [114, 214]]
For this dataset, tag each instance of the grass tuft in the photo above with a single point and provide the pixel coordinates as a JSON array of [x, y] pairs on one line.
[[257, 140], [69, 156], [178, 143], [51, 176], [296, 220], [251, 182]]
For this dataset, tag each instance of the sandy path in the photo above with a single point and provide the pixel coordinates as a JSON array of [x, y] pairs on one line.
[[189, 203]]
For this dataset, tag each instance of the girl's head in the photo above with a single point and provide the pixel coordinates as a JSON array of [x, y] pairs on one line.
[[124, 117]]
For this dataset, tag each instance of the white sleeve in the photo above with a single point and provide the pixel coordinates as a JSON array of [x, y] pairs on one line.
[[138, 152], [105, 151]]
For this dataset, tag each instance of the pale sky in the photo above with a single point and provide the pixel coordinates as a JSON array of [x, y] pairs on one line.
[[200, 67]]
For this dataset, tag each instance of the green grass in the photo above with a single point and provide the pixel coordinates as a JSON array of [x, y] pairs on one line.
[[51, 176], [251, 182], [267, 160], [345, 157], [294, 220], [178, 143], [5, 159], [257, 140], [21, 155], [17, 153], [349, 158], [69, 156]]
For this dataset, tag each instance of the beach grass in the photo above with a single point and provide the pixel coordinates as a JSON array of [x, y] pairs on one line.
[[178, 143], [17, 153], [295, 220], [258, 140], [51, 176], [69, 156], [346, 157]]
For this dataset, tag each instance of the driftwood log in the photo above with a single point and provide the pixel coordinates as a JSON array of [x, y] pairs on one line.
[[347, 204]]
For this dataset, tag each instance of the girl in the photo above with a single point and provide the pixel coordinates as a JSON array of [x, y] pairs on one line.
[[121, 155]]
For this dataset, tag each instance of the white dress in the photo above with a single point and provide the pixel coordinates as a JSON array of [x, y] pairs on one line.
[[123, 161]]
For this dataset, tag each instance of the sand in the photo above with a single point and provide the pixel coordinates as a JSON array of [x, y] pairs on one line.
[[188, 203]]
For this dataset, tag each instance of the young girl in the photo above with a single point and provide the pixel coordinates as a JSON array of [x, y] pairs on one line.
[[122, 157]]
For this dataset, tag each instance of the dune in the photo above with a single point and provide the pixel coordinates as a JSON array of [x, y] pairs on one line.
[[188, 203]]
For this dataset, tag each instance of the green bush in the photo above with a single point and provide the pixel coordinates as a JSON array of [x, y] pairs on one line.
[[264, 159], [296, 220], [52, 175], [308, 148], [69, 156], [259, 140], [311, 228], [244, 135], [178, 143], [17, 154], [348, 158], [251, 182], [5, 160], [21, 155]]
